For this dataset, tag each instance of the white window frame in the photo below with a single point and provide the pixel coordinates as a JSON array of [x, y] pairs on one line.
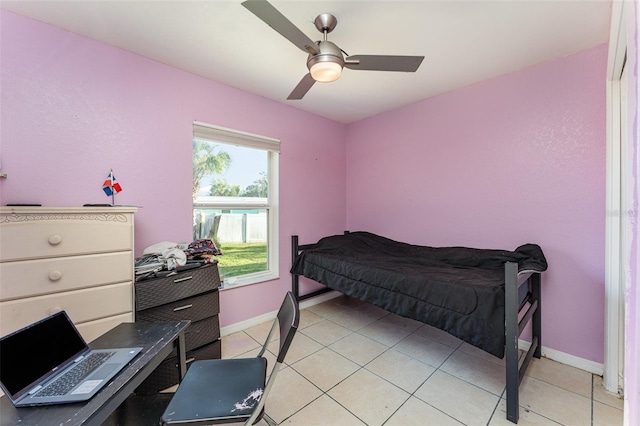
[[223, 135]]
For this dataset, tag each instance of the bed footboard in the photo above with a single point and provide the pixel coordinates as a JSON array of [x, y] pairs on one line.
[[513, 328]]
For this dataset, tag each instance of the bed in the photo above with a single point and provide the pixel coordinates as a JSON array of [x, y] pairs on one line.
[[484, 297]]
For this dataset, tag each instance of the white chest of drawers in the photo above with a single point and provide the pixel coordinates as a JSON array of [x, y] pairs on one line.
[[76, 259]]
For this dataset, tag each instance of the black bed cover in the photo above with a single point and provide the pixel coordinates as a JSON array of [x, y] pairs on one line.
[[457, 289]]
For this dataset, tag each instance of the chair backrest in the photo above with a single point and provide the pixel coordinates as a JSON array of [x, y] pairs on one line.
[[288, 318], [287, 321]]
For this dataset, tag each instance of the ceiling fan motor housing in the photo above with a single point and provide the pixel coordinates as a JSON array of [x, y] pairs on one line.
[[329, 54]]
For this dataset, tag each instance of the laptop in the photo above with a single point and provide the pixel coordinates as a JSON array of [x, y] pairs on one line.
[[49, 362]]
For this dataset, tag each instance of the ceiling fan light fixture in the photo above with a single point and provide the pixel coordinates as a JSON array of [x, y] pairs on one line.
[[327, 65], [325, 71]]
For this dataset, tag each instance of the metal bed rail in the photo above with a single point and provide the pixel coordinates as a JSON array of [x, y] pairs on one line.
[[514, 327], [295, 279]]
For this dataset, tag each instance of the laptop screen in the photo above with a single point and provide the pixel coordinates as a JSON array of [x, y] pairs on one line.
[[32, 352]]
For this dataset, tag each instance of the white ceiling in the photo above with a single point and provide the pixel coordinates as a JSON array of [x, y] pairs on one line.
[[463, 42]]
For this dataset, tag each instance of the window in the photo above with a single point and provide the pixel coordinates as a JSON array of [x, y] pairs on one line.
[[235, 201]]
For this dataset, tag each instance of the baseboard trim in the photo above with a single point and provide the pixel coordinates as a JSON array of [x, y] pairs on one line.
[[567, 359], [562, 357], [270, 316]]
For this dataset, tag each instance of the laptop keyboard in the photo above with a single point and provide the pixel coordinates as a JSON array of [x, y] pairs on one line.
[[63, 384]]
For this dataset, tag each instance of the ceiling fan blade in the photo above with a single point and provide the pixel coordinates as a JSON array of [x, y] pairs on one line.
[[302, 88], [276, 20], [383, 63]]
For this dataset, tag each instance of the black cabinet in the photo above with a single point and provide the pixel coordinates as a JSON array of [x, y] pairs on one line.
[[188, 295]]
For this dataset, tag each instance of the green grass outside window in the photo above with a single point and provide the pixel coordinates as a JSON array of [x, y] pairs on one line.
[[242, 258]]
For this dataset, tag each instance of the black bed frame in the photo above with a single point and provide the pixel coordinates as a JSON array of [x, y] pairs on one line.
[[514, 304]]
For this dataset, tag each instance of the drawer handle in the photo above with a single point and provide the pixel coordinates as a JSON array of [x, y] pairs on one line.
[[190, 360], [181, 308], [179, 280], [55, 275], [54, 240]]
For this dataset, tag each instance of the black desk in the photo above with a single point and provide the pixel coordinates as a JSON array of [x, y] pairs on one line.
[[157, 340]]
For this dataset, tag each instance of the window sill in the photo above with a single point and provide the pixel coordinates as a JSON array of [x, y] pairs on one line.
[[234, 282]]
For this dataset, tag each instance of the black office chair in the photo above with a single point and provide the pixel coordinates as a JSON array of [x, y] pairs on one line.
[[232, 390]]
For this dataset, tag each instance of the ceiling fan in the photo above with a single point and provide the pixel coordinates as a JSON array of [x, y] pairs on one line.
[[326, 60]]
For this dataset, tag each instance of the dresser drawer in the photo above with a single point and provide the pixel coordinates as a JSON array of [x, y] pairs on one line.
[[200, 333], [159, 291], [43, 276], [93, 329], [81, 305], [192, 308], [30, 236], [166, 374]]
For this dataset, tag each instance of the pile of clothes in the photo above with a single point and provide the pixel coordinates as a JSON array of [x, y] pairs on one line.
[[160, 258]]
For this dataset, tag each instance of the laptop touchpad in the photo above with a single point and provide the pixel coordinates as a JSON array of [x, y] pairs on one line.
[[104, 371]]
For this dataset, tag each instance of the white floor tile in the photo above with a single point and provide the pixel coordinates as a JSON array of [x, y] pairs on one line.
[[325, 368], [470, 349], [526, 417], [407, 323], [606, 397], [401, 370], [371, 310], [358, 348], [353, 319], [237, 343], [355, 364], [418, 413], [290, 393], [438, 335], [370, 398], [386, 333], [482, 373], [425, 350], [324, 411], [328, 308], [301, 347], [554, 402], [326, 332], [605, 415], [308, 318], [561, 375], [260, 332], [461, 400]]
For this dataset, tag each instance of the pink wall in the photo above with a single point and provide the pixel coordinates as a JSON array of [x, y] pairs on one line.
[[72, 108], [512, 160], [457, 169]]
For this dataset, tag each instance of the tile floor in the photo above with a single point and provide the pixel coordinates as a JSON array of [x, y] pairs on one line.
[[354, 364]]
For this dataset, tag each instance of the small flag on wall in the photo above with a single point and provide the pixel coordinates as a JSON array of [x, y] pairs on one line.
[[111, 186]]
